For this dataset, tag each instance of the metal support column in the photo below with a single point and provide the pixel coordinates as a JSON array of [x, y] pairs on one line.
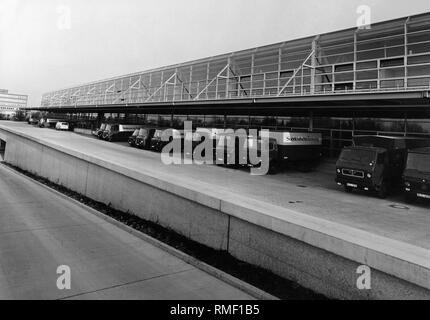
[[314, 64]]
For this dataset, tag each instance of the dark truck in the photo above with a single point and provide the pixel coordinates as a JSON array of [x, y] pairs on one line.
[[227, 153], [162, 137], [302, 150], [99, 132], [375, 163], [132, 138], [416, 177], [299, 150], [118, 132], [143, 139]]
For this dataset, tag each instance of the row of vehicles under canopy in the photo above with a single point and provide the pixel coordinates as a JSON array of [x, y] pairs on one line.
[[302, 150], [377, 164], [51, 123]]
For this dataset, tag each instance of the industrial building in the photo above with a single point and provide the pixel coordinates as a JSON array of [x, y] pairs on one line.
[[354, 81], [10, 104]]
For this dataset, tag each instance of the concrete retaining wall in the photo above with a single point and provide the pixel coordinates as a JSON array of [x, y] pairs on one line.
[[87, 132], [317, 254]]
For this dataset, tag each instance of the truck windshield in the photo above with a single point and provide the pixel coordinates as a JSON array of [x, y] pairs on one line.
[[135, 133], [419, 162], [143, 132], [357, 155]]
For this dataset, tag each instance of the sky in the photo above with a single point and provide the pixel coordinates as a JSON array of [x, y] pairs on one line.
[[52, 44]]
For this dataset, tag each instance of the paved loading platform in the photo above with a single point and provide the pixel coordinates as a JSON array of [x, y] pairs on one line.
[[300, 226]]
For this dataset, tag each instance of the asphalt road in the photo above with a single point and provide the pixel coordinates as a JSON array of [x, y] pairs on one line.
[[40, 231]]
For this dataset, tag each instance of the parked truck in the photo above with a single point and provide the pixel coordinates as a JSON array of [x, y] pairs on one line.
[[118, 132], [132, 138], [99, 132], [299, 150], [416, 177], [238, 154], [375, 163], [143, 139], [48, 123], [162, 137]]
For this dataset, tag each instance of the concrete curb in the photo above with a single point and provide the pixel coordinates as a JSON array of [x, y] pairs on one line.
[[221, 275]]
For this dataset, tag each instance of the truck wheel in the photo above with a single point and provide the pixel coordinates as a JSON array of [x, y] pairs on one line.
[[273, 168], [383, 191]]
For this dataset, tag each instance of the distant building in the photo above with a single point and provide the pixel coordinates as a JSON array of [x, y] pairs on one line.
[[10, 103]]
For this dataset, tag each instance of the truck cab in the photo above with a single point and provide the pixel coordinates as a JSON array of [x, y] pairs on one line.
[[158, 143], [374, 163], [143, 139], [155, 144], [416, 177], [118, 132], [132, 138], [99, 132]]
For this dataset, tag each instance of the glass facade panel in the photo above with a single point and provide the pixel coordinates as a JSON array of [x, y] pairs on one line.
[[392, 62], [392, 73], [392, 83], [342, 77], [418, 126], [419, 71], [324, 88], [419, 37], [344, 86], [419, 82], [366, 75], [367, 85], [344, 67], [368, 55], [419, 59], [367, 65], [419, 48]]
